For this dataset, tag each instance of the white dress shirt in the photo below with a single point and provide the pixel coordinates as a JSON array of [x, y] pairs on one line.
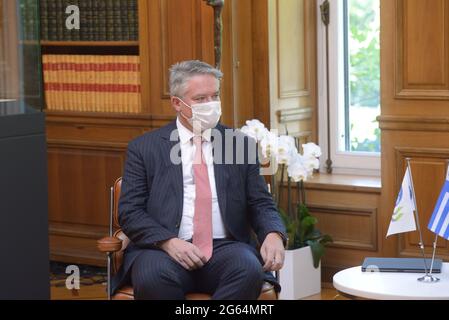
[[187, 155]]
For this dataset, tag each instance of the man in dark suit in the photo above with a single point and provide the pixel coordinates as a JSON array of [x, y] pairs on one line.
[[189, 211]]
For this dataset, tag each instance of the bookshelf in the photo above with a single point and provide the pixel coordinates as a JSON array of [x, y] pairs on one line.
[[98, 20], [91, 59], [47, 43]]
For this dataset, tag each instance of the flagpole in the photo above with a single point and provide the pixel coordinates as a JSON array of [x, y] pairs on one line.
[[427, 277], [434, 251], [433, 254]]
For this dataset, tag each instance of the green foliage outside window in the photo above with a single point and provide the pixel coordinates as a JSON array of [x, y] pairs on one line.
[[364, 73]]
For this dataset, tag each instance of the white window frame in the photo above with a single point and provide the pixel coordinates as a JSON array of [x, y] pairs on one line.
[[344, 162]]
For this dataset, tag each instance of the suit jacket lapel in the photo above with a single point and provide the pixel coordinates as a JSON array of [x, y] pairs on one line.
[[221, 176]]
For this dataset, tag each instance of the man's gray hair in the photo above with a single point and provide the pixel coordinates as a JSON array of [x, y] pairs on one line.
[[181, 72]]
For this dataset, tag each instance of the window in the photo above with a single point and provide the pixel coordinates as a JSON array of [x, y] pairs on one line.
[[354, 85]]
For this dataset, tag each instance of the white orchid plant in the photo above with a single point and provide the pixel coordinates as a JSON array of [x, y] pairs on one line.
[[282, 150]]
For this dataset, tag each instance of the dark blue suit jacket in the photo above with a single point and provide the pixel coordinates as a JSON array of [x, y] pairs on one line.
[[151, 202]]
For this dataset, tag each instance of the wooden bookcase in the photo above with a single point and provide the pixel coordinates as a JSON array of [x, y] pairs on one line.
[[87, 150], [86, 154]]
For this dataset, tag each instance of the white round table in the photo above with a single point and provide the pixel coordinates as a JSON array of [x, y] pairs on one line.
[[391, 285]]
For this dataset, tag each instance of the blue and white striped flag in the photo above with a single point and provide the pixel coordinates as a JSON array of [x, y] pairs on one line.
[[439, 222]]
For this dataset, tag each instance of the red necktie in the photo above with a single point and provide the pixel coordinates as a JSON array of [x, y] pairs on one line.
[[202, 219]]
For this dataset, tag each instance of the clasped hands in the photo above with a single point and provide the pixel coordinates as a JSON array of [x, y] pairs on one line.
[[191, 258]]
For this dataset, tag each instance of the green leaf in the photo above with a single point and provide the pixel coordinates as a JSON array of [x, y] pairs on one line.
[[313, 235], [307, 224], [301, 232], [326, 239], [317, 252]]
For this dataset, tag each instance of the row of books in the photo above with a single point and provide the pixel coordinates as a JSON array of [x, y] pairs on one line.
[[92, 83], [100, 20]]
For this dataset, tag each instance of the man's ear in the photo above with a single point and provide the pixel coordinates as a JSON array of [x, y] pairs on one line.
[[176, 103]]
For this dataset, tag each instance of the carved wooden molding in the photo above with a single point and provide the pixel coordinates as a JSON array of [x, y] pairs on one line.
[[430, 84], [370, 213], [55, 144], [77, 230], [304, 90], [348, 183], [433, 156], [413, 123], [408, 252], [142, 122], [402, 153], [411, 152], [294, 114]]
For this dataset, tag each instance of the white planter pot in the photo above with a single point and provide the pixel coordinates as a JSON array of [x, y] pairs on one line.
[[298, 278]]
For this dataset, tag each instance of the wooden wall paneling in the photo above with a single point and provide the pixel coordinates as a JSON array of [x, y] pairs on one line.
[[227, 67], [350, 214], [245, 89], [80, 180], [351, 228], [401, 52], [243, 94], [181, 37], [80, 177], [76, 243], [293, 78], [428, 152], [184, 30], [86, 153], [429, 172], [414, 116], [261, 75], [423, 49], [175, 34], [293, 68]]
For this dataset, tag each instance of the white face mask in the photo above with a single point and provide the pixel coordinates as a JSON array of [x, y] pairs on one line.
[[206, 114]]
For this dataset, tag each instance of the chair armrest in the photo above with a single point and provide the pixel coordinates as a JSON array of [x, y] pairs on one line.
[[109, 244]]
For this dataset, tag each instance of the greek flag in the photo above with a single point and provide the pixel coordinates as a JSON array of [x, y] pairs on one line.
[[403, 218], [439, 222]]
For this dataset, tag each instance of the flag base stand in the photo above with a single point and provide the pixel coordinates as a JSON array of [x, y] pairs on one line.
[[428, 279]]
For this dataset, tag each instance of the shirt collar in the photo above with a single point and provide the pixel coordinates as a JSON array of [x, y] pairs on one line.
[[185, 135]]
